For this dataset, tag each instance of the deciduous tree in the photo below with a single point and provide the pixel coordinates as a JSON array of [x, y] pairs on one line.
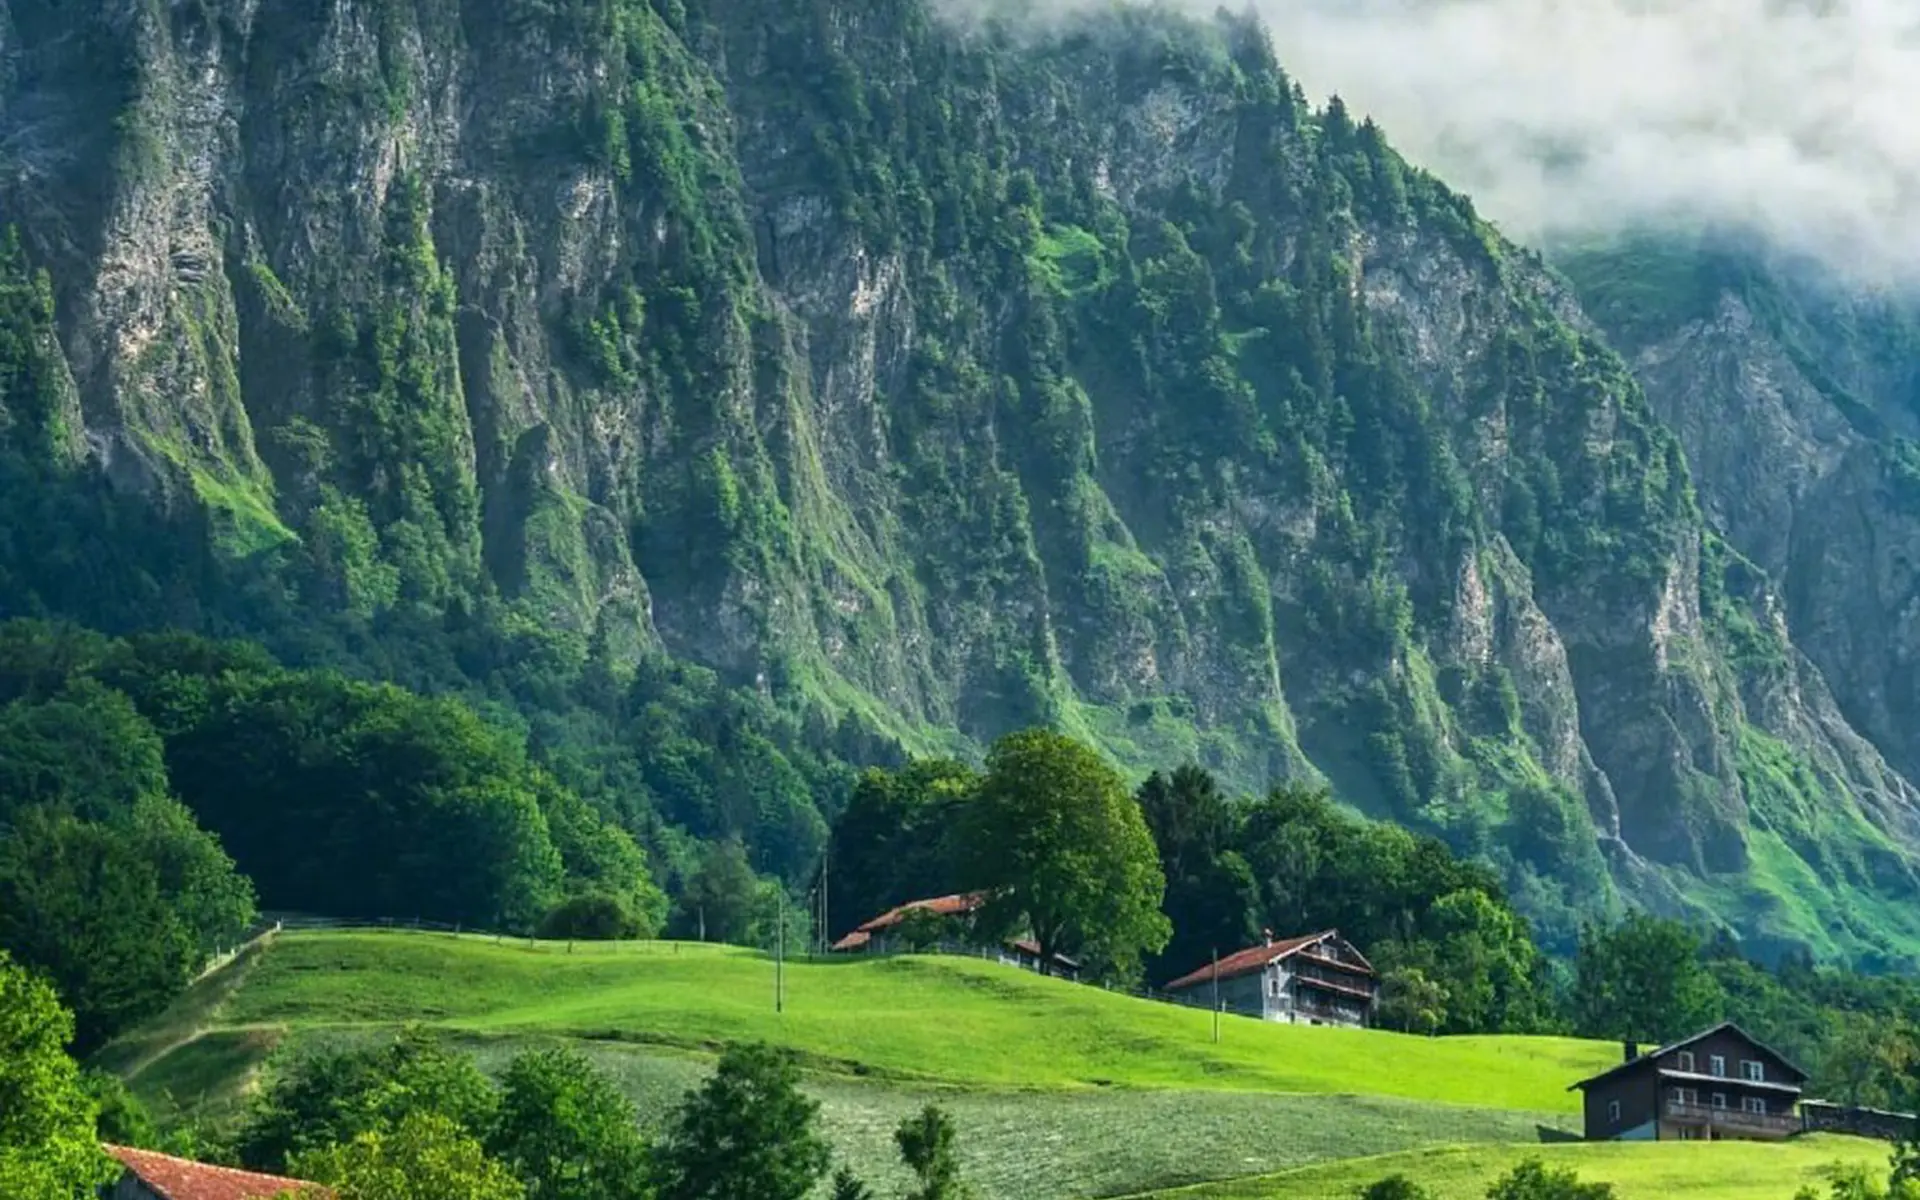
[[927, 1146], [425, 1157], [567, 1132], [748, 1133], [1643, 979], [331, 1097], [1054, 834], [47, 1143]]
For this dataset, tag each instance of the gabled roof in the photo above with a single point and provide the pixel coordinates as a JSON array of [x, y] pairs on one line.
[[181, 1179], [1651, 1057], [1259, 958], [957, 905]]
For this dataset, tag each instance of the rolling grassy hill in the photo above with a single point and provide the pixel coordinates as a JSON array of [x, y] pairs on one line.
[[1059, 1090], [1638, 1171], [944, 1020]]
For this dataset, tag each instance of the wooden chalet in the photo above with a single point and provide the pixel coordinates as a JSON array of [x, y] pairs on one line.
[[1719, 1084], [1318, 979]]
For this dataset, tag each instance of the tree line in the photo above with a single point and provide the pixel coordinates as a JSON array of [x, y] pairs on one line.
[[1148, 885], [156, 791], [1453, 954]]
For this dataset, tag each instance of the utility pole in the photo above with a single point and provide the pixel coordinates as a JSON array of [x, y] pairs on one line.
[[780, 953], [826, 859], [1216, 995]]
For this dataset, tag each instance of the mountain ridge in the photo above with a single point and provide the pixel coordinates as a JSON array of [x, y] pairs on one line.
[[1088, 379]]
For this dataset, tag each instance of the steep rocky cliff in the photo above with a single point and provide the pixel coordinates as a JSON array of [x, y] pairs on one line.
[[936, 380]]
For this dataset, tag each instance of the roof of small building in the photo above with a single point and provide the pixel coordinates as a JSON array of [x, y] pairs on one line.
[[1258, 958], [1651, 1057], [182, 1179], [957, 905]]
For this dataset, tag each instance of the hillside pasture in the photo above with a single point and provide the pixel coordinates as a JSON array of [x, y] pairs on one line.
[[1637, 1170], [911, 1019]]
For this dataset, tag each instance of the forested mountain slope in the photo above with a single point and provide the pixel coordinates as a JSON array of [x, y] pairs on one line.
[[920, 383]]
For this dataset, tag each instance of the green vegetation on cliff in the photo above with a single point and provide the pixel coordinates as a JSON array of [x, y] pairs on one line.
[[749, 392]]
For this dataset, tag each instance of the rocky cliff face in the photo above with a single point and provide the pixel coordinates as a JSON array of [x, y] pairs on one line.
[[944, 380]]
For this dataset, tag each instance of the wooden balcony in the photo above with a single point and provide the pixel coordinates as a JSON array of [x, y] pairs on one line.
[[1734, 1122]]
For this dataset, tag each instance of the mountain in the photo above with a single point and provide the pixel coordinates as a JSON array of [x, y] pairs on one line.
[[921, 381], [1796, 393]]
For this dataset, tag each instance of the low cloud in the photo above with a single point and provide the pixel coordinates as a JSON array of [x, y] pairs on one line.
[[1796, 118], [1799, 119]]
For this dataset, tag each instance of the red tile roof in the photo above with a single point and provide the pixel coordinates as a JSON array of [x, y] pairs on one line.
[[957, 905], [1246, 962], [179, 1179]]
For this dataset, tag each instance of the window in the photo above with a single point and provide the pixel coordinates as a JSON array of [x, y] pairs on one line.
[[1719, 1099], [1717, 1066], [1753, 1070], [1686, 1060], [1686, 1095], [1613, 1112], [1754, 1104]]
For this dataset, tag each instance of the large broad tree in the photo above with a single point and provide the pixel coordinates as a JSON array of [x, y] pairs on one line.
[[748, 1133], [1643, 979], [47, 1142], [1054, 834]]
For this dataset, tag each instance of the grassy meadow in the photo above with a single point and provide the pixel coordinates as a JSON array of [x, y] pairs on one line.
[[1059, 1090], [1638, 1171], [926, 1020]]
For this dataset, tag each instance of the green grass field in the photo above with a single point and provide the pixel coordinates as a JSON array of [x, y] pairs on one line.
[[931, 1020], [1058, 1090], [1638, 1171]]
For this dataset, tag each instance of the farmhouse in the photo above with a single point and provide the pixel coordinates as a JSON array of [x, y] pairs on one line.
[[1714, 1085], [1319, 979], [150, 1176], [945, 924]]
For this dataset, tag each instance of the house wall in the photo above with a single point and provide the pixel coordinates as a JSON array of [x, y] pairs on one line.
[[1733, 1048], [129, 1187], [1241, 994], [1638, 1092]]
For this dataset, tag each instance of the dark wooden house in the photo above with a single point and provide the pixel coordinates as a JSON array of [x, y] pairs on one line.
[[1722, 1083], [1319, 979]]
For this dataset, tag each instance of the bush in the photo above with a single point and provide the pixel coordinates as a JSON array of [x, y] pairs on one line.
[[1395, 1187], [595, 917], [1534, 1180]]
